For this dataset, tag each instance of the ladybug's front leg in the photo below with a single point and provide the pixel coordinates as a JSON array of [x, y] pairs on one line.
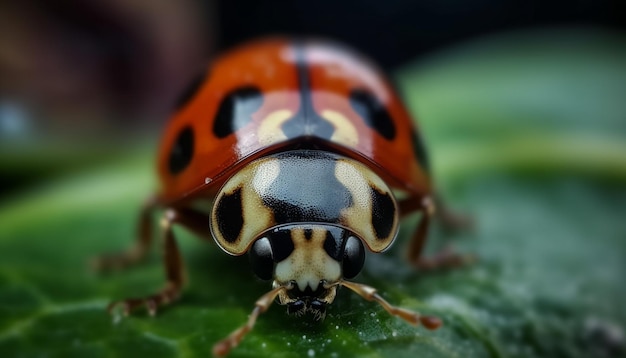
[[137, 252], [174, 272], [451, 220]]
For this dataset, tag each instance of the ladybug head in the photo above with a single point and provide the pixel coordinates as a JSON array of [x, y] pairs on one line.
[[305, 218], [309, 259]]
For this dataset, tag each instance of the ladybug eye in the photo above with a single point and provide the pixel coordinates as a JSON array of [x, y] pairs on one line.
[[182, 151], [353, 257], [261, 259], [373, 112]]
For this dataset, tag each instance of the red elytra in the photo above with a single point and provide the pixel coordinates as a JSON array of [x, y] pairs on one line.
[[288, 76]]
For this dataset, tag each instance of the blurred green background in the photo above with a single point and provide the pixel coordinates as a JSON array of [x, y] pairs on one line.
[[527, 133]]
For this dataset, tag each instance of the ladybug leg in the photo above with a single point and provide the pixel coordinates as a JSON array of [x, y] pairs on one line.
[[224, 346], [195, 221], [369, 293], [419, 237], [443, 259], [446, 258], [174, 272], [136, 253], [450, 219]]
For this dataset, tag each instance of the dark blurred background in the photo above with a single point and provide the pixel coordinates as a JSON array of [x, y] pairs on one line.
[[396, 31], [100, 71]]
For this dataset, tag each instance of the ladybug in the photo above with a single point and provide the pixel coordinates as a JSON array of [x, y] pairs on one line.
[[303, 157]]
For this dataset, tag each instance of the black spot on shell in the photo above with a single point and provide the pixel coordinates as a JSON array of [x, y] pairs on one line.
[[236, 110], [182, 151], [229, 213], [420, 151], [383, 213], [373, 112], [190, 91]]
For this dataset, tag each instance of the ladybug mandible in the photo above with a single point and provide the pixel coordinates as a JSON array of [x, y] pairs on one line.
[[295, 146]]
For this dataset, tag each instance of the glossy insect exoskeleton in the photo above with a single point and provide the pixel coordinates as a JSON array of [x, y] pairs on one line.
[[300, 149]]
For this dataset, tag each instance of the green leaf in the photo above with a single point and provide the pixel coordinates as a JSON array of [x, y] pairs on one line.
[[519, 141]]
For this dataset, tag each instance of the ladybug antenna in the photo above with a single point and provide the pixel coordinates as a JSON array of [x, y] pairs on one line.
[[224, 346], [414, 318]]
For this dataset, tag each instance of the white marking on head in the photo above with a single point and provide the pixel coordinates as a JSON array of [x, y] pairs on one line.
[[359, 180], [256, 216], [265, 174], [359, 214]]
